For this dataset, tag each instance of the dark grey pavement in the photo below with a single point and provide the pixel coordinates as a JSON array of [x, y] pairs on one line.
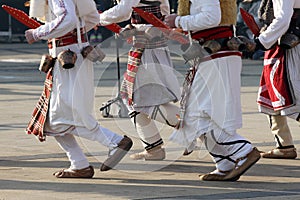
[[26, 165]]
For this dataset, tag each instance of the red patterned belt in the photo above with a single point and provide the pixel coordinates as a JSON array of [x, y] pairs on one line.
[[221, 54], [68, 39], [213, 33]]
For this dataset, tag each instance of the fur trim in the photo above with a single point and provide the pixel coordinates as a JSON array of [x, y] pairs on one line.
[[229, 12], [183, 7]]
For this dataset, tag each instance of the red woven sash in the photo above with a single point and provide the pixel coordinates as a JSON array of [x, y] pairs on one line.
[[134, 60], [36, 124]]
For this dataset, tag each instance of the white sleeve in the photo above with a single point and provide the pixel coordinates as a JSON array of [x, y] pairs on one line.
[[118, 13], [91, 20], [283, 11], [64, 20], [205, 16], [165, 7], [122, 11]]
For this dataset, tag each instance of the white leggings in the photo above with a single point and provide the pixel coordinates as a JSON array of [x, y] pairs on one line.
[[225, 149], [145, 126], [75, 154]]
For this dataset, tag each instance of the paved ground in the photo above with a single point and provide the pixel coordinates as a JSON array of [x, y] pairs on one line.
[[26, 165]]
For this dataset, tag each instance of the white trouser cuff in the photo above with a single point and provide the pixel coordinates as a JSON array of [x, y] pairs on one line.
[[100, 134], [75, 154], [232, 147]]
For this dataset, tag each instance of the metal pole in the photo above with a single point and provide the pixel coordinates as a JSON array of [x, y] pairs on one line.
[[118, 63], [9, 29]]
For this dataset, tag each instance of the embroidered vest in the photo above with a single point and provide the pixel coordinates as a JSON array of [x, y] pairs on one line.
[[266, 12], [266, 15]]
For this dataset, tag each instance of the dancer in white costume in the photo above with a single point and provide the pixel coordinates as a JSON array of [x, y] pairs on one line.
[[213, 107], [280, 18], [150, 84], [71, 104]]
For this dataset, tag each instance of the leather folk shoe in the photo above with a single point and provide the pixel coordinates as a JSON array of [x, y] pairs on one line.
[[118, 153], [157, 153], [87, 172], [234, 174], [216, 175], [289, 153], [251, 159], [187, 152]]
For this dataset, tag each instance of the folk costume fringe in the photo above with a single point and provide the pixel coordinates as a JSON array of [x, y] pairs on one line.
[[39, 115], [182, 10]]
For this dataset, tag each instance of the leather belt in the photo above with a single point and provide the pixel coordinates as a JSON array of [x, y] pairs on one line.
[[214, 33], [221, 54], [68, 39]]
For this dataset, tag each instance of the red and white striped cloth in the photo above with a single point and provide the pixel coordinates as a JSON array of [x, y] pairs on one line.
[[134, 60], [39, 115]]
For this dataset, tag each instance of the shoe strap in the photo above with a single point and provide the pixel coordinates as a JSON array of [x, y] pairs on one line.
[[228, 157], [153, 145]]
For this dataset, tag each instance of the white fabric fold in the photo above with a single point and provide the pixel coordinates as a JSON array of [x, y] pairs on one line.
[[39, 9]]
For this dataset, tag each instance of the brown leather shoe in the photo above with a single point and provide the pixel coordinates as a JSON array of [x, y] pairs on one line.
[[187, 152], [214, 176], [289, 153], [157, 153], [251, 157], [235, 173], [121, 150], [87, 172]]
